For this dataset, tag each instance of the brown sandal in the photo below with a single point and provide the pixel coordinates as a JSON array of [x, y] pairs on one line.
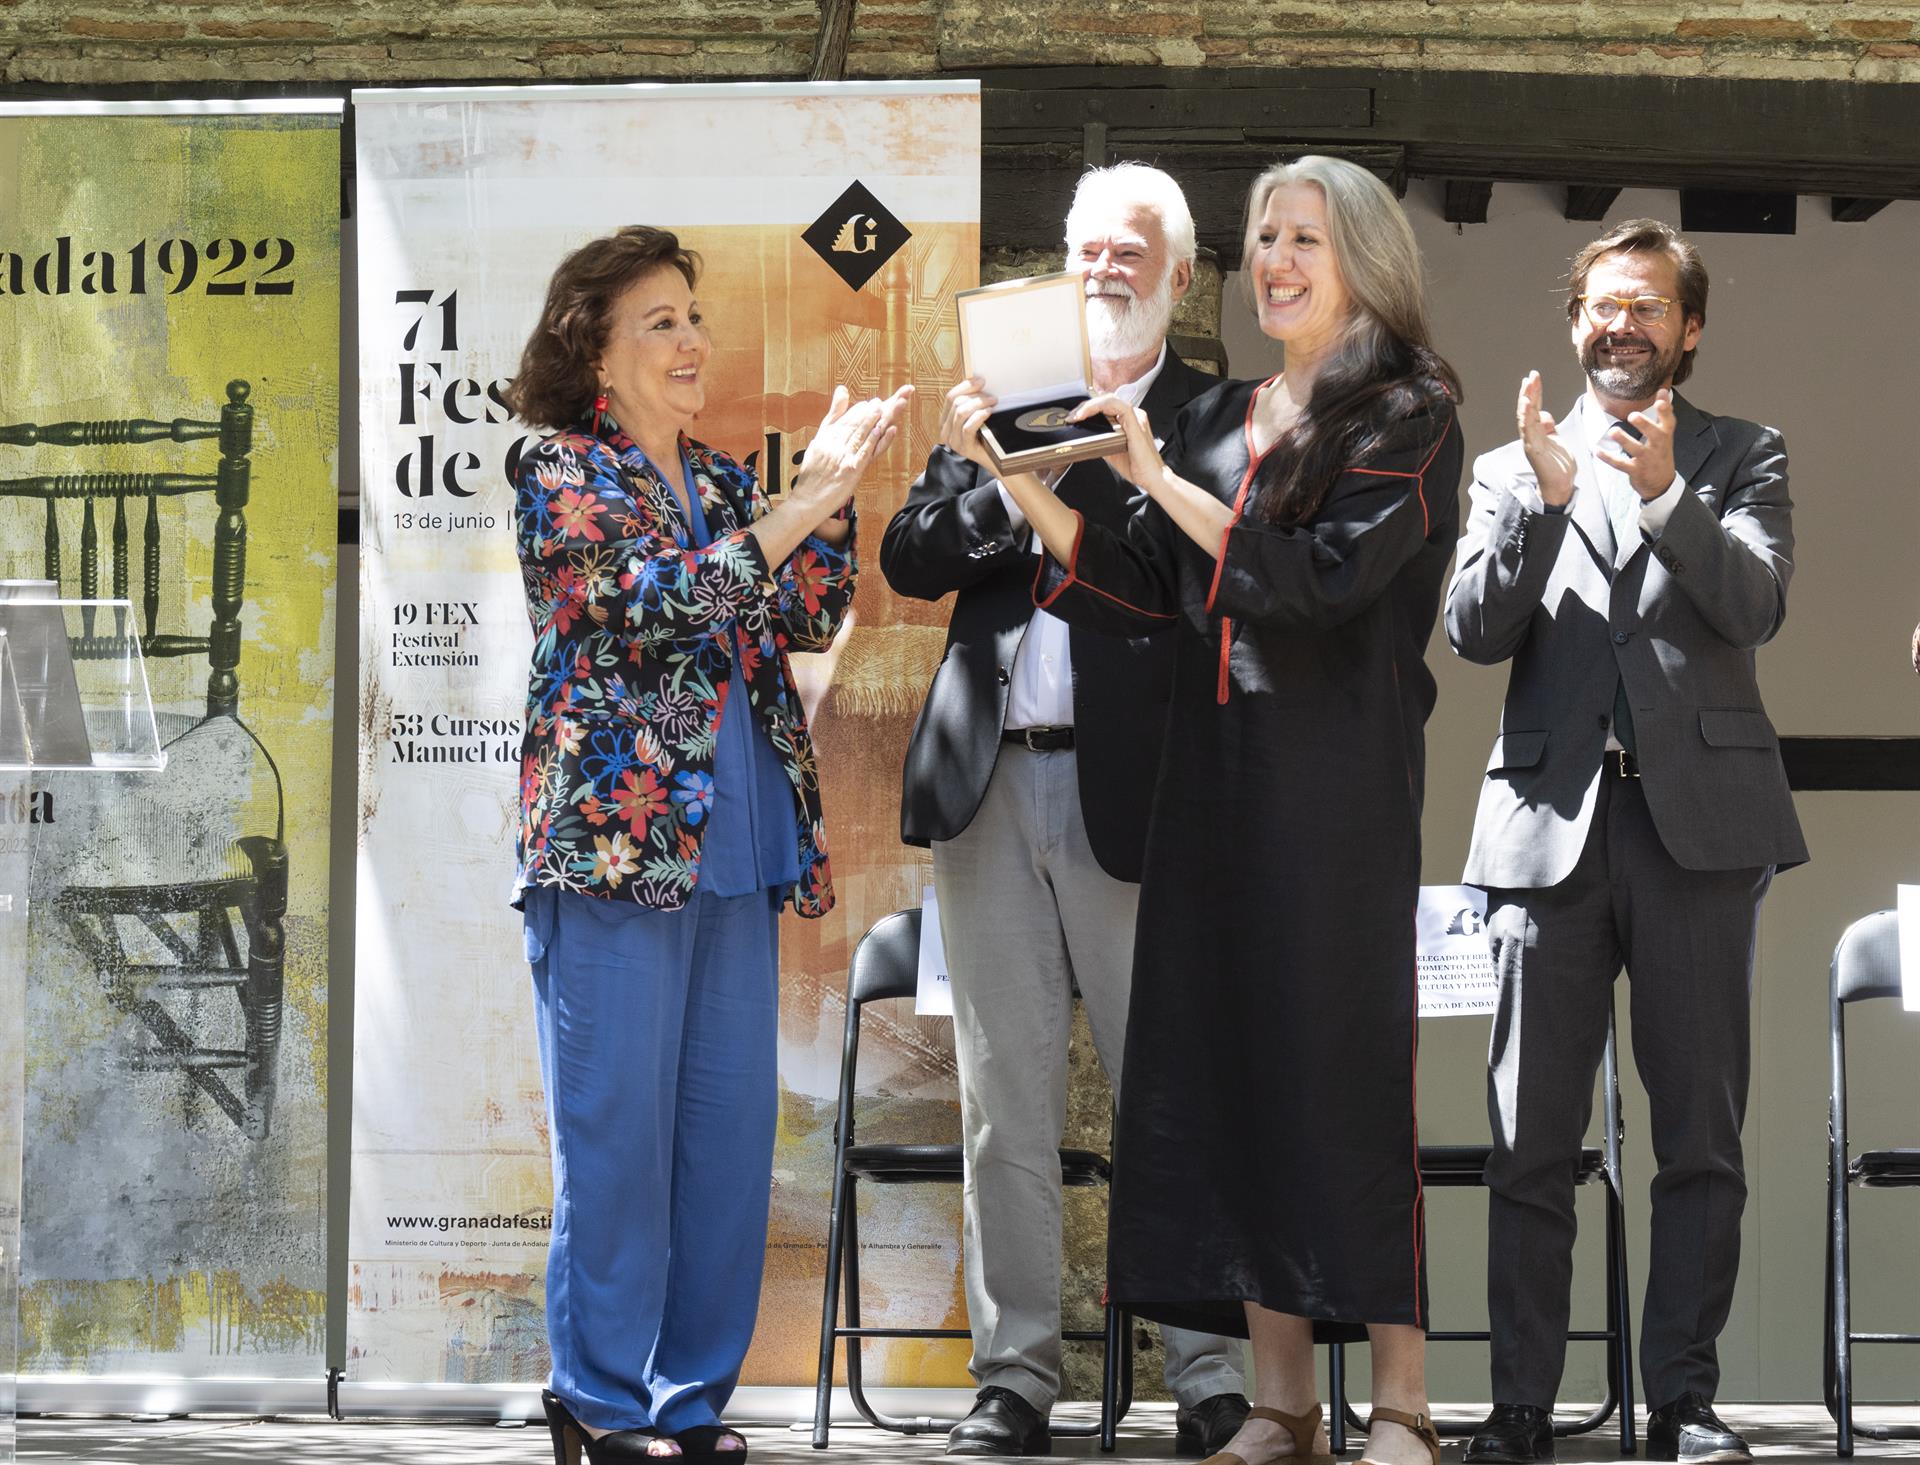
[[1303, 1428], [1418, 1423]]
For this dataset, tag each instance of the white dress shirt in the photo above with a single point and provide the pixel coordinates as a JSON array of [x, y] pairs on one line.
[[1041, 691], [1620, 496]]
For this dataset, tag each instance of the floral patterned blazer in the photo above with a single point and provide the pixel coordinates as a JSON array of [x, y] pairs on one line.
[[633, 661]]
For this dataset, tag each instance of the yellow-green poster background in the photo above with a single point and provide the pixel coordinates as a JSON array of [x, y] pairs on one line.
[[159, 1233]]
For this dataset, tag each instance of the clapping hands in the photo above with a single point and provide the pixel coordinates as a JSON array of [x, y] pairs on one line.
[[849, 438], [1647, 460]]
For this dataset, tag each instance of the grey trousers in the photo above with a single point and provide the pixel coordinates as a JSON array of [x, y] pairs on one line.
[[1025, 910], [1687, 939]]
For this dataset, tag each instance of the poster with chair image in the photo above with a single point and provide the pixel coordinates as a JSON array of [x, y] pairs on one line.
[[169, 410]]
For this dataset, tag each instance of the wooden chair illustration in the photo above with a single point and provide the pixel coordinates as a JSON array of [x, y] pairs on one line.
[[161, 935]]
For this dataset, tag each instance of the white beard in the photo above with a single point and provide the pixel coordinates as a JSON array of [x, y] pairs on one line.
[[1122, 325]]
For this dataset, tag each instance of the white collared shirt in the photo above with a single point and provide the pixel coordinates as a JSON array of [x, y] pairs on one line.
[[1041, 691], [1612, 483]]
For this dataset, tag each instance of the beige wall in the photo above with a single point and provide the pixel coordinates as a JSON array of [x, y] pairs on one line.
[[113, 41], [1814, 334]]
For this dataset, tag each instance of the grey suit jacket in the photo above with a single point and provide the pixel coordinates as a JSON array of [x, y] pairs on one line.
[[1677, 621]]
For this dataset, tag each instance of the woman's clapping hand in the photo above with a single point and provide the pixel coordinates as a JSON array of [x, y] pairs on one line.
[[849, 438]]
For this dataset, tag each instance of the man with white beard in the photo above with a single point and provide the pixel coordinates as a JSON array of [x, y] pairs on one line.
[[1029, 774]]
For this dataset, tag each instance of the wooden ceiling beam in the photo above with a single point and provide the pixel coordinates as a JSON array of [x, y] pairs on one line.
[[1719, 211], [1466, 201], [1809, 137], [1025, 188], [1589, 202], [1856, 210]]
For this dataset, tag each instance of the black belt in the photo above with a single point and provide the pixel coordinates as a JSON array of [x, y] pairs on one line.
[[1621, 764], [1039, 739]]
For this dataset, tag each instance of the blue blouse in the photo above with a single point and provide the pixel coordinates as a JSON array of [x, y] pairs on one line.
[[750, 842]]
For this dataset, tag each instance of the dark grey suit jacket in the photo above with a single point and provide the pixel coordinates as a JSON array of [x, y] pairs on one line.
[[1676, 620]]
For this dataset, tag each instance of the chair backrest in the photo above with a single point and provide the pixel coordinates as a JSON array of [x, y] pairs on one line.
[[1866, 963], [886, 963], [230, 487]]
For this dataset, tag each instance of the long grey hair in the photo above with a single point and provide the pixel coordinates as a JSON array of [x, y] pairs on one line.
[[1384, 369]]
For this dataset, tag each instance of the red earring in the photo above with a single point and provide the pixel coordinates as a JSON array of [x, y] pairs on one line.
[[599, 412]]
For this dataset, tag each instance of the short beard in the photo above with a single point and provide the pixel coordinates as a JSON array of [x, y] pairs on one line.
[[1636, 385], [1121, 327]]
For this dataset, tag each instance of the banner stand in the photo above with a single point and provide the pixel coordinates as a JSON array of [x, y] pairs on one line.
[[835, 221], [129, 1394], [169, 437]]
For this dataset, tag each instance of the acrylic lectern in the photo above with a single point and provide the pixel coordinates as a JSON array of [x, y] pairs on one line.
[[73, 702]]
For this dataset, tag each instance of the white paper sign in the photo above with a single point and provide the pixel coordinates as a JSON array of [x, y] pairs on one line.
[[934, 996], [1454, 959], [1907, 903]]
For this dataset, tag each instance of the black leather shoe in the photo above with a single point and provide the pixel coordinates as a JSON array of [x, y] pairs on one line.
[[1688, 1429], [1206, 1428], [1514, 1434], [1002, 1423]]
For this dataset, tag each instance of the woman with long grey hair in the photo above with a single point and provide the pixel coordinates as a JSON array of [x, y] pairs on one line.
[[1294, 538]]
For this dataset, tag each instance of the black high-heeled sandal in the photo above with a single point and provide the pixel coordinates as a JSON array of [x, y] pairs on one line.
[[702, 1444], [571, 1440]]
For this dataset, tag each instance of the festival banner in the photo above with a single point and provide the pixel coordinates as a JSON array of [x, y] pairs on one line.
[[169, 420], [836, 222]]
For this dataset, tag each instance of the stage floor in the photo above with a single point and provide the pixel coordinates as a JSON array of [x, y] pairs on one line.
[[1777, 1432]]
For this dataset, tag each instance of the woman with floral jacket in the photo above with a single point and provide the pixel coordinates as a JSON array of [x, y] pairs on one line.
[[670, 806]]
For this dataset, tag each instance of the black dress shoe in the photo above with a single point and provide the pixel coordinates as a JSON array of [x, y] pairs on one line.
[[1002, 1423], [1688, 1429], [1207, 1426], [1514, 1434]]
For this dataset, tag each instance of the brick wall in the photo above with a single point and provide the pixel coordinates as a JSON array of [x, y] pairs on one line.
[[165, 42]]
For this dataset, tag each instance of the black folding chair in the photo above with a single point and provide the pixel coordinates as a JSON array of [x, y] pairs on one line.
[[1451, 1166], [1866, 965], [885, 965]]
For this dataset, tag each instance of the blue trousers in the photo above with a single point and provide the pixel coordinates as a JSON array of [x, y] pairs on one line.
[[657, 1032]]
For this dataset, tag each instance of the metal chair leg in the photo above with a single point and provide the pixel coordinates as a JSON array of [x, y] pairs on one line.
[[1116, 1340], [1337, 1390], [1842, 1294], [1620, 1320], [856, 1382], [830, 1310]]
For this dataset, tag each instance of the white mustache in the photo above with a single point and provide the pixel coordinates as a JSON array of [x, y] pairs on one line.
[[1111, 289]]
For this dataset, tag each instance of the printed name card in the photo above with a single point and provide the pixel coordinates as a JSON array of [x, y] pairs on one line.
[[1453, 959], [1907, 904], [934, 995]]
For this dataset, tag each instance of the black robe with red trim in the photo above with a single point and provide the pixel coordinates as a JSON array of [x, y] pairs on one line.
[[1266, 1141]]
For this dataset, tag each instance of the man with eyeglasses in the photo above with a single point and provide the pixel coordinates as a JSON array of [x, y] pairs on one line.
[[1627, 559]]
